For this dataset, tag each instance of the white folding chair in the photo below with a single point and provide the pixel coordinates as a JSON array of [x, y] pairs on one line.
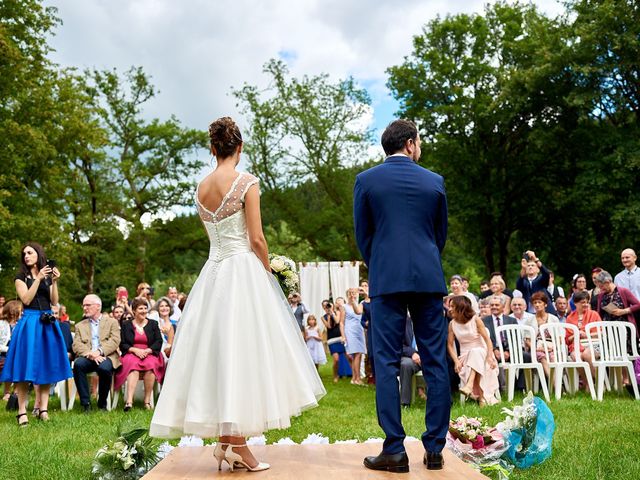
[[556, 352], [514, 336], [612, 340], [61, 390]]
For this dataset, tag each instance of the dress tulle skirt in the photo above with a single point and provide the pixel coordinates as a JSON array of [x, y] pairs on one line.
[[239, 364], [37, 352]]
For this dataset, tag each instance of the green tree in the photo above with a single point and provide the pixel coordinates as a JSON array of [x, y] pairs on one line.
[[305, 141], [489, 97], [152, 162]]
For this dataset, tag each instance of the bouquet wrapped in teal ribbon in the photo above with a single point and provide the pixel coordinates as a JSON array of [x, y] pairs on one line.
[[528, 432]]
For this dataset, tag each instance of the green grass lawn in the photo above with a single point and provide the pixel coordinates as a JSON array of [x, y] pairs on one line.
[[593, 440]]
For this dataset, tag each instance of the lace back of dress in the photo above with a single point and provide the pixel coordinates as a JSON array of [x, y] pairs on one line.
[[232, 202]]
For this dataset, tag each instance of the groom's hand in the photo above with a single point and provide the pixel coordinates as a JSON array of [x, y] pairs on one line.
[[416, 358]]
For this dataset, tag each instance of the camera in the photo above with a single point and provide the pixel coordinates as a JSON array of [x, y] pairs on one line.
[[152, 291], [526, 256], [51, 263], [47, 318]]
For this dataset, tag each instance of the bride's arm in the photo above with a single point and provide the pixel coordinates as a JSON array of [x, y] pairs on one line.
[[254, 226]]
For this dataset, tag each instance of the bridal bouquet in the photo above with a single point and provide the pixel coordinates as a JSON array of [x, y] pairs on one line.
[[127, 457], [284, 269], [528, 430]]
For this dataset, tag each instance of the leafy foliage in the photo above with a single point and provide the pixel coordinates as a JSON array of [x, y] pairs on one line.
[[306, 141]]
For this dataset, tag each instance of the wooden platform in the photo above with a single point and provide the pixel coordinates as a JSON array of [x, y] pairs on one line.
[[298, 462]]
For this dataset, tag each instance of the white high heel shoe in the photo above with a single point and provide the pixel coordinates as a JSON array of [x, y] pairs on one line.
[[219, 453], [235, 460]]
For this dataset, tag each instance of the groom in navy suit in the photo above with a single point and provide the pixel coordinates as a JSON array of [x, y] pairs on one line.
[[400, 214]]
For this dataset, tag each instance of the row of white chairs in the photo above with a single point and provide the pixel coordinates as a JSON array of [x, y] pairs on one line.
[[607, 338], [113, 398]]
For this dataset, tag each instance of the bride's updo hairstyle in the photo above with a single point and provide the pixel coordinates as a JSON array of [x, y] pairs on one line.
[[225, 137]]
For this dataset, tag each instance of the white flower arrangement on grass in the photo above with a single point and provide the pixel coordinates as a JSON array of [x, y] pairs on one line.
[[130, 456]]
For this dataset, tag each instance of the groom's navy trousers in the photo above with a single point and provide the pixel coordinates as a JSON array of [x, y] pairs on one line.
[[430, 328]]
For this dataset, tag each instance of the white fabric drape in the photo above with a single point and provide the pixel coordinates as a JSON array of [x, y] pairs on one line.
[[343, 275], [314, 288]]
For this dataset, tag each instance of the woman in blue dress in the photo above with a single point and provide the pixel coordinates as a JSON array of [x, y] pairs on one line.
[[37, 352], [355, 334]]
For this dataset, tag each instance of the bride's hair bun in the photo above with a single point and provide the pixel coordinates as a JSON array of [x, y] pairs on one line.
[[225, 137]]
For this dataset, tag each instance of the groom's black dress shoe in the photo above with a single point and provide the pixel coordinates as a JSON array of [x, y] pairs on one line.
[[433, 461], [397, 463]]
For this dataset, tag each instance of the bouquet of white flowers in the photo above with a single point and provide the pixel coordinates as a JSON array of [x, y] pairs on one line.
[[284, 269], [528, 430], [130, 456]]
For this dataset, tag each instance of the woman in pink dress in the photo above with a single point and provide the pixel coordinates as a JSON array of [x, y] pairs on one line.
[[476, 364], [140, 345]]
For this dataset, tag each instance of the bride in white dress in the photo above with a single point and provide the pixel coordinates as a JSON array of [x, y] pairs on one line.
[[239, 365]]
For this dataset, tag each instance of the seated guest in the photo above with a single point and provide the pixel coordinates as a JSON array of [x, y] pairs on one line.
[[95, 346], [519, 312], [595, 291], [64, 316], [617, 304], [455, 283], [578, 284], [65, 328], [118, 314], [484, 287], [11, 312], [409, 364], [497, 319], [498, 287], [164, 307], [476, 363], [485, 307], [140, 347], [580, 317], [562, 309], [539, 300], [172, 295]]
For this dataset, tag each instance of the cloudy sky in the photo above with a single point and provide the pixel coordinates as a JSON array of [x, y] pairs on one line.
[[197, 50]]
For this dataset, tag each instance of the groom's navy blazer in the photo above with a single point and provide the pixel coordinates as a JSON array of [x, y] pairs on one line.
[[400, 215]]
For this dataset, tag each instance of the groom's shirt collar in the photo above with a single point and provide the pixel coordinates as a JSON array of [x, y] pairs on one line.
[[398, 158]]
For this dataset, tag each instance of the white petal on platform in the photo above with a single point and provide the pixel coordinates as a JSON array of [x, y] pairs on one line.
[[411, 439], [338, 442], [374, 440], [285, 441], [191, 441], [164, 449], [261, 440], [315, 439]]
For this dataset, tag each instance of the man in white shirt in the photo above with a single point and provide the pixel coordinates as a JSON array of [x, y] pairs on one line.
[[172, 293], [629, 277], [519, 312]]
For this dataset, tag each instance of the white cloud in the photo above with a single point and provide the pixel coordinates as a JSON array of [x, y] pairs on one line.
[[197, 50]]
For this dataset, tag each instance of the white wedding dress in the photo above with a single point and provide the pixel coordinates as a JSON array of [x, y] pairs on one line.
[[239, 365]]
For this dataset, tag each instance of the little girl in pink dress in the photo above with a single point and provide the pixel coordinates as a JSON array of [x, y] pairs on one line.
[[476, 364]]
